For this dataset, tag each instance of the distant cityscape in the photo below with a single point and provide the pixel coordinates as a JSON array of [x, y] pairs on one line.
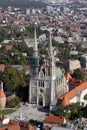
[[43, 64]]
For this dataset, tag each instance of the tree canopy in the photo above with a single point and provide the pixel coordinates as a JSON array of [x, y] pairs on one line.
[[12, 79], [78, 74], [73, 111]]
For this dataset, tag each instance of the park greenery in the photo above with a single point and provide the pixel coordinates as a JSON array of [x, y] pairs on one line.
[[7, 111], [72, 111]]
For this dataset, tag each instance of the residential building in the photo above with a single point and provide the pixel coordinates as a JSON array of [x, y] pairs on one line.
[[76, 94], [59, 39], [71, 65], [2, 67], [8, 124], [53, 120], [11, 125], [8, 47], [74, 53]]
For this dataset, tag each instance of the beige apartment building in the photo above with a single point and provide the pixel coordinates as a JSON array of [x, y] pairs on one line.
[[72, 64]]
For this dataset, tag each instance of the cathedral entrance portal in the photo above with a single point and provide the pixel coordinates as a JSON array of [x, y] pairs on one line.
[[41, 100]]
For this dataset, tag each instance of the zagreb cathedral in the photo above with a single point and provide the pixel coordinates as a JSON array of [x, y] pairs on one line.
[[47, 81]]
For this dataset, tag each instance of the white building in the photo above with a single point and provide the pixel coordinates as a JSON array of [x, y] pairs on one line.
[[59, 39], [49, 9], [76, 95], [42, 38], [28, 11]]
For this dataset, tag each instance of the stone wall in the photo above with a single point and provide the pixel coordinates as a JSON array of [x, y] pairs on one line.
[[2, 102], [11, 97]]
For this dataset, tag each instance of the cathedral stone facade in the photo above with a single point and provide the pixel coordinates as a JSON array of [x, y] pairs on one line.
[[47, 81]]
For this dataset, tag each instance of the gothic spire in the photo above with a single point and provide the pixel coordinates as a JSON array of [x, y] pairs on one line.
[[50, 45], [35, 48]]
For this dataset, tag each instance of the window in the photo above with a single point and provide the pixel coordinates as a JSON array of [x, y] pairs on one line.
[[48, 71]]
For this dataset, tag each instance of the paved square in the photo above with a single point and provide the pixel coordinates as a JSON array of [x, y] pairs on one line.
[[28, 112]]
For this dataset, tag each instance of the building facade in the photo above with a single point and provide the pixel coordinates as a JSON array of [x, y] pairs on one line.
[[76, 95], [71, 65], [83, 60], [47, 81]]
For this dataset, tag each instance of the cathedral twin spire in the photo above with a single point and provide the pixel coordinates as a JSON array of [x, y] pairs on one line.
[[35, 48], [50, 45]]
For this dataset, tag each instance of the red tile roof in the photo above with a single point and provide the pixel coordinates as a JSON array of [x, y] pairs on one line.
[[8, 47], [26, 67], [68, 76], [65, 101], [55, 119], [2, 66], [67, 97], [2, 94]]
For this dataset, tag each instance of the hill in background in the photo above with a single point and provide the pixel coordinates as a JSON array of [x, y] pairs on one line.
[[21, 3]]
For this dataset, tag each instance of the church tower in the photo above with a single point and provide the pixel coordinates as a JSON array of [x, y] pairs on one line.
[[50, 76], [47, 82], [34, 70]]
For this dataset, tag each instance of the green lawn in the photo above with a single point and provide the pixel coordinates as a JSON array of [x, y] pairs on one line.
[[7, 111]]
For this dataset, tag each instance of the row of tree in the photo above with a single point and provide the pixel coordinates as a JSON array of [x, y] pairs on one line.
[[72, 112]]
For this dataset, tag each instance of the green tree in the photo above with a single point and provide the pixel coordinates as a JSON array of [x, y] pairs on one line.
[[84, 111], [78, 74], [79, 47], [12, 79], [63, 111], [76, 111], [30, 31], [42, 49], [85, 97], [72, 111], [64, 50]]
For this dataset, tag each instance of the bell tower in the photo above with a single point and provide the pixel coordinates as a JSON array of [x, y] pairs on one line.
[[50, 69], [34, 70], [34, 60]]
